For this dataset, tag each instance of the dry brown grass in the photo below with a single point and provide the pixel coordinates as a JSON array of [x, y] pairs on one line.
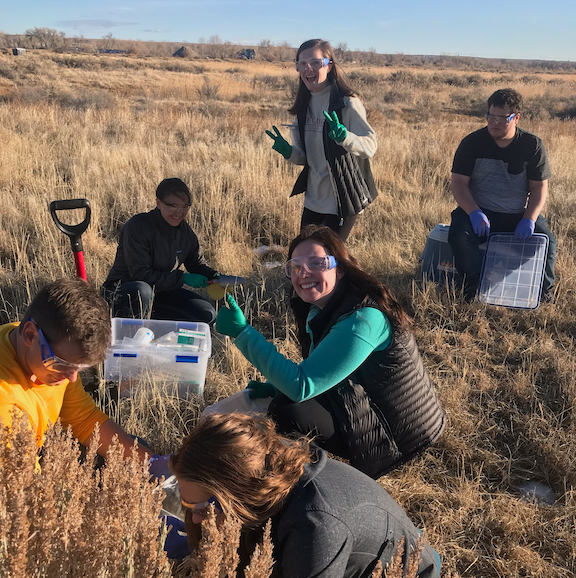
[[111, 129], [67, 519]]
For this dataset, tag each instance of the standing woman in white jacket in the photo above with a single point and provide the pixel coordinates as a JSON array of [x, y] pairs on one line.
[[332, 139]]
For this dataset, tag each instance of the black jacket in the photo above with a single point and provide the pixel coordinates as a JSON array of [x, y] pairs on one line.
[[386, 410], [151, 250], [351, 176]]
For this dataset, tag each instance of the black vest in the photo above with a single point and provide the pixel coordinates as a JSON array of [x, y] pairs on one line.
[[386, 410], [351, 176]]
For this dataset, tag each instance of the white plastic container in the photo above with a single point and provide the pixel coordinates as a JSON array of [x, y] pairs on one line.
[[173, 351]]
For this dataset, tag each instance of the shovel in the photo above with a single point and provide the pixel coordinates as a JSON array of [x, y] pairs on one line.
[[217, 288], [73, 231]]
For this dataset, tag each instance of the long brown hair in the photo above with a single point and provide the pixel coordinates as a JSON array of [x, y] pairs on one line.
[[357, 279], [244, 462], [336, 75]]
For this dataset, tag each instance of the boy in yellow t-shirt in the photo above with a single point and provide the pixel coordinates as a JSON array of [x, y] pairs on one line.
[[65, 329]]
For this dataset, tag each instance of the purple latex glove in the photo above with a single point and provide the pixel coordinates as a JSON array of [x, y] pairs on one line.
[[480, 223], [524, 229], [158, 466], [176, 544]]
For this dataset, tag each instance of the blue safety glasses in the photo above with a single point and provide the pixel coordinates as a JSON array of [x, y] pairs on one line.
[[50, 360]]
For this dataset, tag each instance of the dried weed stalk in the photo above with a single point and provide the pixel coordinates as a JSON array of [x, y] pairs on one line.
[[216, 555], [67, 519]]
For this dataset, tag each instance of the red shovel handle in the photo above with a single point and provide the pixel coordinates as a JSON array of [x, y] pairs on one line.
[[73, 231]]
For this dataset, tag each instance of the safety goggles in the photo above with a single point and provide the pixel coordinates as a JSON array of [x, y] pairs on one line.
[[313, 264], [314, 63], [50, 360], [176, 208], [497, 118], [201, 508]]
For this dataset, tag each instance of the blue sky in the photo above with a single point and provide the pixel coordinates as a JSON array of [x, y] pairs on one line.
[[533, 29]]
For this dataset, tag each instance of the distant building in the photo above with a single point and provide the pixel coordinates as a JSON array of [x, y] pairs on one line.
[[247, 54], [18, 51], [109, 51], [183, 52]]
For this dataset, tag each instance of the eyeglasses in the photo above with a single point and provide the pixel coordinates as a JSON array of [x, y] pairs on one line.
[[175, 208], [314, 63], [313, 264], [201, 508], [497, 118], [50, 360]]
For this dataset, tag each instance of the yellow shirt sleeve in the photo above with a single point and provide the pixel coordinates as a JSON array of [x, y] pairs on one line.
[[80, 411]]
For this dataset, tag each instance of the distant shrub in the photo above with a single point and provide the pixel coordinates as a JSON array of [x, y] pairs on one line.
[[208, 91], [69, 61], [410, 79], [364, 78], [176, 66], [569, 109], [85, 99], [471, 104], [7, 72], [398, 95], [460, 80], [274, 82]]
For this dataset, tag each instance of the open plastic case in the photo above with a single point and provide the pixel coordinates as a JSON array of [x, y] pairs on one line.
[[513, 270]]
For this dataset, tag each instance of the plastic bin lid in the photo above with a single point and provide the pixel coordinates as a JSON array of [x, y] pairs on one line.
[[513, 270]]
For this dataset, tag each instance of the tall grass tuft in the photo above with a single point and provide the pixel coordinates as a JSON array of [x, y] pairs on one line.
[[61, 517]]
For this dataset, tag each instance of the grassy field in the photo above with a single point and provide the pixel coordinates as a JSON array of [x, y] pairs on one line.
[[109, 128]]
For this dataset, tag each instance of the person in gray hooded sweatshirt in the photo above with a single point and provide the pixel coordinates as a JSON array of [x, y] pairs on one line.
[[328, 519]]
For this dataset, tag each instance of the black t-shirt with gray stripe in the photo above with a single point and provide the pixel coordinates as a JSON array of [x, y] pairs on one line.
[[499, 176]]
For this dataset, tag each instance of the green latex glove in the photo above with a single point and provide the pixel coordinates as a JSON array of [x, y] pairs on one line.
[[195, 280], [280, 143], [338, 131], [259, 390], [230, 321]]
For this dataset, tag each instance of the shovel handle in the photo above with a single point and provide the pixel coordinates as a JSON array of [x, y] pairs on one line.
[[73, 231]]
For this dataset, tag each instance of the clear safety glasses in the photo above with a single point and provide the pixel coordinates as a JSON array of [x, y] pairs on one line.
[[176, 208], [313, 264], [201, 509], [497, 118], [314, 63], [50, 360]]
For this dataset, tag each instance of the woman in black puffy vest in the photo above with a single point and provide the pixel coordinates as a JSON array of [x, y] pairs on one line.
[[362, 388]]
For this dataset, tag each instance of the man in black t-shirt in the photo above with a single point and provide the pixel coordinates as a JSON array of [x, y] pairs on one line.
[[500, 181]]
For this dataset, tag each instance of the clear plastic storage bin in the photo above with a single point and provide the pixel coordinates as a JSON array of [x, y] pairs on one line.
[[174, 351]]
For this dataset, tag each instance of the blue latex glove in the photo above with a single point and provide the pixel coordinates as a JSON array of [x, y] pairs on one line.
[[230, 321], [338, 131], [524, 229], [176, 544], [280, 145], [260, 390], [480, 223], [195, 280], [158, 466]]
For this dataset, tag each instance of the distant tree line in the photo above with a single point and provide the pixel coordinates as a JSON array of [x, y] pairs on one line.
[[215, 47]]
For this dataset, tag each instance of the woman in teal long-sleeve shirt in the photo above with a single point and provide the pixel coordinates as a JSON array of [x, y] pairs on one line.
[[362, 388]]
